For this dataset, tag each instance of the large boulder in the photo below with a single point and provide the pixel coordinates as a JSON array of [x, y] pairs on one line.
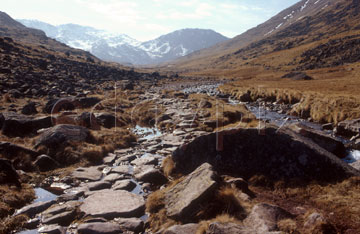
[[99, 228], [45, 163], [111, 204], [348, 128], [87, 102], [330, 143], [275, 153], [61, 135], [10, 150], [184, 199], [17, 125]]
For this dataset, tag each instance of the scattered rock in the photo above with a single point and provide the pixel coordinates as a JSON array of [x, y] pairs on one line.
[[29, 109], [131, 224], [348, 128], [313, 219], [35, 208], [189, 228], [87, 173], [184, 198], [17, 125], [112, 204], [297, 76], [127, 185], [228, 228], [264, 217], [8, 173], [52, 229], [45, 163], [62, 134], [150, 174], [113, 177], [93, 186], [99, 228], [148, 160]]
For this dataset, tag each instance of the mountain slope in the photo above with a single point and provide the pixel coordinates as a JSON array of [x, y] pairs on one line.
[[18, 32], [124, 49], [305, 25]]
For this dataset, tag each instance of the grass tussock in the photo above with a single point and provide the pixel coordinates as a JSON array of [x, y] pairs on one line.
[[340, 199], [288, 226], [12, 199], [168, 166]]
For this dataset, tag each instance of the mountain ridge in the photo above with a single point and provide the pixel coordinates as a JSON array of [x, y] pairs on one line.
[[124, 49]]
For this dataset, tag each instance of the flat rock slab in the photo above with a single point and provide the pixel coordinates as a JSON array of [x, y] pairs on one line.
[[189, 228], [131, 224], [52, 229], [263, 217], [99, 228], [113, 177], [87, 173], [127, 185], [111, 204], [36, 208], [183, 199], [99, 185], [147, 160], [122, 169]]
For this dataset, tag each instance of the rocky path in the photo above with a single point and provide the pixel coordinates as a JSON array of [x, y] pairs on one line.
[[110, 198]]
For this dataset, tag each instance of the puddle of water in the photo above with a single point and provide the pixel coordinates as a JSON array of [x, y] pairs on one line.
[[144, 218], [138, 189], [146, 133], [44, 195], [353, 156]]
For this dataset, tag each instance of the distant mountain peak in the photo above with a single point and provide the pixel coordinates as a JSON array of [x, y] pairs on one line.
[[124, 49]]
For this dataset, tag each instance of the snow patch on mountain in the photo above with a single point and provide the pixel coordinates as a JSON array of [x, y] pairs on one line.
[[124, 49]]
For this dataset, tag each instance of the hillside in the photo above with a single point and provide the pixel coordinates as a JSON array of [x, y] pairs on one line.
[[124, 49], [293, 35], [15, 30]]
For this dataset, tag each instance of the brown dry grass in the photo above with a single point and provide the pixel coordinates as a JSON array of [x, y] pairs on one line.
[[338, 202], [312, 99], [222, 218], [168, 166], [12, 199], [228, 116]]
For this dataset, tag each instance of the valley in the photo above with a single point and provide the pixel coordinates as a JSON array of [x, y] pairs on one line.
[[255, 134]]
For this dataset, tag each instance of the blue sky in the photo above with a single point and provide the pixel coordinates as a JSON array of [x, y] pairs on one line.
[[148, 19]]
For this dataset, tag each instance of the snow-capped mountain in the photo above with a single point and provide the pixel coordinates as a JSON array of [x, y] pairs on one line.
[[124, 49]]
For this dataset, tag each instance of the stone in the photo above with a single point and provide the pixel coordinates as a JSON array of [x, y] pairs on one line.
[[93, 186], [356, 165], [329, 143], [189, 228], [61, 134], [184, 198], [35, 208], [264, 217], [228, 228], [313, 219], [282, 153], [111, 204], [45, 163], [29, 109], [150, 174], [131, 224], [8, 173], [17, 125], [113, 177], [348, 128], [87, 173], [122, 169], [87, 102], [147, 160], [63, 218], [109, 159], [126, 158], [127, 185], [99, 228], [52, 229], [108, 120], [10, 150]]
